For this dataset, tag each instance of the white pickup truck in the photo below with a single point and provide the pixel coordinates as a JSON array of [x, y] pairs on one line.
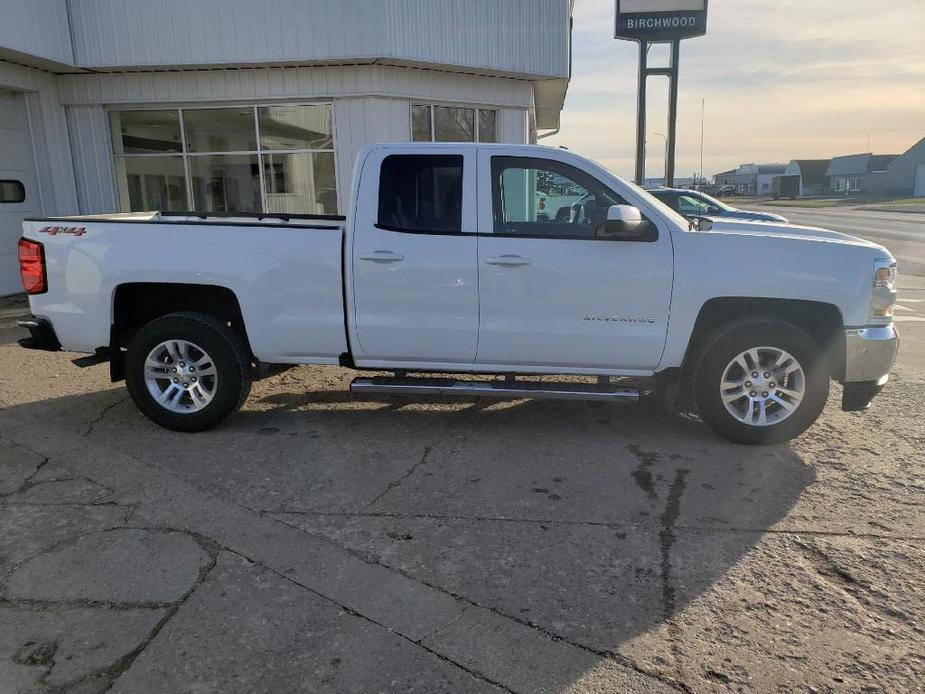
[[444, 266]]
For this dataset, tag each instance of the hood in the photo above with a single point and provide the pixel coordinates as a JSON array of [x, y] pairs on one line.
[[786, 231]]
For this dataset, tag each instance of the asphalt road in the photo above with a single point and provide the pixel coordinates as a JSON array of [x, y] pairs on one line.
[[329, 543], [902, 233]]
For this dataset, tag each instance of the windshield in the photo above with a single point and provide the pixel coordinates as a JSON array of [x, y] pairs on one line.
[[713, 201], [662, 206], [645, 196]]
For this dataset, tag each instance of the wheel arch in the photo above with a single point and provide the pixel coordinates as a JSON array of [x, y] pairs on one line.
[[821, 320], [135, 304]]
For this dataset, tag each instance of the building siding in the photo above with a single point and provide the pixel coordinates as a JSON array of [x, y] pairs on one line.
[[93, 167], [358, 121], [372, 59], [526, 37], [900, 174], [50, 141], [292, 83], [37, 28], [362, 121]]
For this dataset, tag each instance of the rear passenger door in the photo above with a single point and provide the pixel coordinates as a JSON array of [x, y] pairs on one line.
[[415, 273]]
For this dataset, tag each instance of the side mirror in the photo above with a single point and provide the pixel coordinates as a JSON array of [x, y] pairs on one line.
[[700, 224], [622, 220]]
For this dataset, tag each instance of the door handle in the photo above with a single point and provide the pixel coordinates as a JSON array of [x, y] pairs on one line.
[[507, 260], [382, 257]]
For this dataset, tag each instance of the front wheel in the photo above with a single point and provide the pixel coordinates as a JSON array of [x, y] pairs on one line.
[[187, 371], [761, 381]]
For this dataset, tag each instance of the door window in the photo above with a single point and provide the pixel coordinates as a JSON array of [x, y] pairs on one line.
[[543, 198], [421, 193]]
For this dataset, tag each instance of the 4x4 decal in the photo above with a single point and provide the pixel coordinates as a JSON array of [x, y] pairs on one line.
[[54, 231]]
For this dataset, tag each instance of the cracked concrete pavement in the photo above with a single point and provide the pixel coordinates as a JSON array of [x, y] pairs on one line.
[[321, 542]]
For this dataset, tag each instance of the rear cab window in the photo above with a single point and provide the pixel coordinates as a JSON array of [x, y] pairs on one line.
[[421, 193]]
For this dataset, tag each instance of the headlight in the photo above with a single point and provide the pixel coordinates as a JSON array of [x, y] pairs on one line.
[[885, 277], [883, 296]]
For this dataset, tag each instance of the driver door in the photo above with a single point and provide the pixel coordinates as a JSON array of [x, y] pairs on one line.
[[555, 291]]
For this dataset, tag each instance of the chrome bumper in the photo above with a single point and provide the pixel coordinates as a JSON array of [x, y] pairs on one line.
[[869, 356], [870, 353]]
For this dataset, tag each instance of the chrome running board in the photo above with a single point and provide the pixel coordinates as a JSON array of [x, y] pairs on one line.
[[494, 389]]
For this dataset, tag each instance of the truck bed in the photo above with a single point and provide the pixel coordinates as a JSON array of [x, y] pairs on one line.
[[286, 271]]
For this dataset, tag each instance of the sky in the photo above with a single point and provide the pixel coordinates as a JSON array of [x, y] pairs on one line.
[[781, 80]]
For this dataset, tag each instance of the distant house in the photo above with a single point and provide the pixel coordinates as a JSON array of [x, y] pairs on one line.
[[905, 175], [750, 179], [811, 173], [726, 178], [764, 177], [745, 183], [852, 173]]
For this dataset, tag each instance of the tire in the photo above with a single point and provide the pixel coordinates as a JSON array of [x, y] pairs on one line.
[[224, 364], [775, 414]]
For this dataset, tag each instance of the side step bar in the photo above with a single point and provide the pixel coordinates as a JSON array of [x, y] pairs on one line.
[[494, 389]]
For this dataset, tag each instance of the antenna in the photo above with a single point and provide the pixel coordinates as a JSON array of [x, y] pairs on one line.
[[703, 106]]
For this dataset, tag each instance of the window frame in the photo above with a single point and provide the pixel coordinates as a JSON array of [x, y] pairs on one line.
[[407, 230], [499, 162], [185, 154], [476, 110]]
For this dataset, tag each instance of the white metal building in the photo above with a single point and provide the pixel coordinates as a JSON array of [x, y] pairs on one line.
[[242, 106]]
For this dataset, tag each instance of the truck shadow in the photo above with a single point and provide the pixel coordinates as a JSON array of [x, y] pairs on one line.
[[596, 523]]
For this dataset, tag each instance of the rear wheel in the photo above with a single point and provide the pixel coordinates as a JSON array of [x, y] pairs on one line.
[[761, 381], [187, 371]]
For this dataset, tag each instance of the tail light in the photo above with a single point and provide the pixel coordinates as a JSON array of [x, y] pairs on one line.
[[32, 266], [542, 203]]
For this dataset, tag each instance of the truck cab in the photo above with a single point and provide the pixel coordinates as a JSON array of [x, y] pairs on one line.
[[454, 268]]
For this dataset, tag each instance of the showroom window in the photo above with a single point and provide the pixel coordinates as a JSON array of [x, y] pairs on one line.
[[273, 158], [431, 123]]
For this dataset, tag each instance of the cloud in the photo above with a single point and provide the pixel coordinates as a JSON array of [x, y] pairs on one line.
[[782, 80]]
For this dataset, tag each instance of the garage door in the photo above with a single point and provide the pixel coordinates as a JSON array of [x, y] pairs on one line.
[[920, 182], [18, 192]]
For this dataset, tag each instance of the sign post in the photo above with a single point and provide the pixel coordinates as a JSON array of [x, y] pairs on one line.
[[658, 21]]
